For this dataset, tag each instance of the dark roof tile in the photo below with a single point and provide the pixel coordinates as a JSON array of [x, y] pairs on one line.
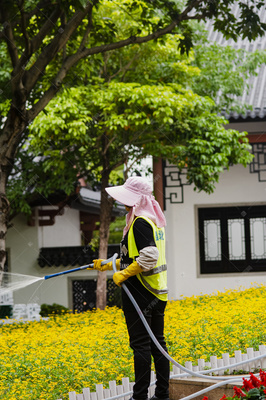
[[256, 97]]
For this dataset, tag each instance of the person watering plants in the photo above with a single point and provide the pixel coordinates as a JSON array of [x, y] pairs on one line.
[[143, 269]]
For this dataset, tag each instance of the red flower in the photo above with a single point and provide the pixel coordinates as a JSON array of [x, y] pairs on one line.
[[256, 382], [247, 384], [238, 392], [263, 377], [224, 397], [205, 398]]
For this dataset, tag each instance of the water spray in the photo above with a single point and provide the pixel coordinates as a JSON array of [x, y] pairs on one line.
[[15, 282], [12, 282]]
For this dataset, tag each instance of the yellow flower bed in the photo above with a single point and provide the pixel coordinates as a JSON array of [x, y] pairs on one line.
[[198, 327], [48, 359]]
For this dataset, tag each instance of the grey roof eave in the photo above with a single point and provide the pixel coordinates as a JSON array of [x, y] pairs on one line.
[[258, 114], [90, 201]]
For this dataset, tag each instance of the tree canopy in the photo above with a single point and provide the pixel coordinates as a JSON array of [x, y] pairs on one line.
[[148, 78], [100, 127], [45, 44]]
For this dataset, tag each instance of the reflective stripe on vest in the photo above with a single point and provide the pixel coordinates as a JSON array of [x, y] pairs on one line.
[[155, 270], [155, 280], [151, 289]]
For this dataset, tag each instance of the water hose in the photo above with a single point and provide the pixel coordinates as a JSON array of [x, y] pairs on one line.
[[79, 268], [199, 374]]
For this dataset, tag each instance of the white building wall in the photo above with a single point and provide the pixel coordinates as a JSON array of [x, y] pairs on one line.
[[24, 243], [23, 252], [65, 231], [236, 187]]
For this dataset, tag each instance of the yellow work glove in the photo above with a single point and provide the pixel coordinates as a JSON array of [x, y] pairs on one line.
[[109, 266], [120, 276]]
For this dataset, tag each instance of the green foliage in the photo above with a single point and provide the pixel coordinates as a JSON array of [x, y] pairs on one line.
[[5, 76], [115, 234], [137, 120], [116, 230], [224, 73], [119, 106], [247, 26], [48, 310], [94, 243], [5, 312], [150, 63], [213, 150], [112, 21]]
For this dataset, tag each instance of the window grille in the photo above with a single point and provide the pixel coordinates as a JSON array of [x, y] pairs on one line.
[[232, 239]]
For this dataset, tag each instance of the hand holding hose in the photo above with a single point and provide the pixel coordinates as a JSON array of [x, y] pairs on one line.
[[97, 264], [120, 276]]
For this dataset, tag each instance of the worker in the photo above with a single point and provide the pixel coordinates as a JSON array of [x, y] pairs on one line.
[[143, 270]]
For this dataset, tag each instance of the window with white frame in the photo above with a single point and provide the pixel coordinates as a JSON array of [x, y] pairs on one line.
[[232, 239]]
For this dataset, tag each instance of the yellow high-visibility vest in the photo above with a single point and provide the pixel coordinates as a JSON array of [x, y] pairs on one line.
[[154, 280]]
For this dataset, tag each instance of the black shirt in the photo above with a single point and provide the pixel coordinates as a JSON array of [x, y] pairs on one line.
[[143, 234]]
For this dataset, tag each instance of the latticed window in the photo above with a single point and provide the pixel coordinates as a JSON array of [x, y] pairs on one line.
[[84, 294], [232, 239]]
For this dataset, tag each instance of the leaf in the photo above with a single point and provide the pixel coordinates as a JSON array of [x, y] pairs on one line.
[[81, 3], [254, 393]]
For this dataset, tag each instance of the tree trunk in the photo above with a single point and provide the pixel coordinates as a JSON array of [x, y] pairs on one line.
[[10, 136], [4, 212], [105, 219]]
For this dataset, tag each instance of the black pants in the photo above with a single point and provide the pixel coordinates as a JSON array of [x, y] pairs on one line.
[[143, 347]]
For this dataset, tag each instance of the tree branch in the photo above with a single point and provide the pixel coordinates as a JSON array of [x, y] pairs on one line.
[[45, 29], [33, 74], [10, 41], [63, 24], [30, 48], [87, 32], [24, 28], [110, 141], [142, 39], [37, 41], [106, 57], [125, 68], [55, 86], [43, 4], [40, 64], [128, 168], [193, 4], [118, 164]]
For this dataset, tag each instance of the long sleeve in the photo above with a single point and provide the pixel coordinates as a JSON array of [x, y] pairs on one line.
[[148, 258]]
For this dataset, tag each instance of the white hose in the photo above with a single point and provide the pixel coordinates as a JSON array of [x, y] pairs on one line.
[[200, 374]]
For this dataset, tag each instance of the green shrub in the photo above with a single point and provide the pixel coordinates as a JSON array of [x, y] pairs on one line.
[[48, 310], [5, 312]]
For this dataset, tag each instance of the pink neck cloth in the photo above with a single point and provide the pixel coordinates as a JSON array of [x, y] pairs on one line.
[[137, 193], [146, 206]]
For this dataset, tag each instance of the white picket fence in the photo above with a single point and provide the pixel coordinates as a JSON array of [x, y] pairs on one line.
[[124, 391], [114, 391]]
